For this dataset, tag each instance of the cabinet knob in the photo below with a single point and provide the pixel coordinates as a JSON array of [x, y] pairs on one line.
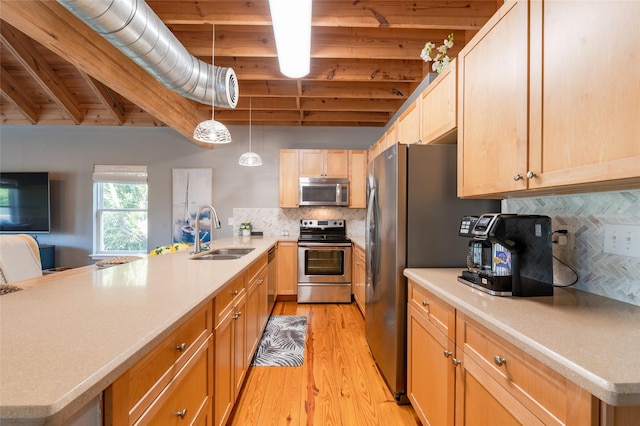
[[182, 413], [234, 292], [425, 303], [456, 361], [260, 282], [237, 315], [499, 360], [530, 175], [181, 347], [517, 177], [447, 354]]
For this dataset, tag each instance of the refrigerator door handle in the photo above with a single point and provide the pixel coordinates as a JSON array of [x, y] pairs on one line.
[[372, 235]]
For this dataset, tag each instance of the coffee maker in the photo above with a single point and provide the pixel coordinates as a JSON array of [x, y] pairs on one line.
[[509, 254]]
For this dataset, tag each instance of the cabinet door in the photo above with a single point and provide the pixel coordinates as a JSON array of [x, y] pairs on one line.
[[239, 345], [439, 108], [336, 163], [408, 127], [359, 277], [430, 371], [311, 162], [288, 178], [223, 371], [492, 105], [287, 268], [584, 117], [252, 319], [358, 179], [390, 137]]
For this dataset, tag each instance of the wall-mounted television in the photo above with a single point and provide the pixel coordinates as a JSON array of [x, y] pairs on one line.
[[25, 204]]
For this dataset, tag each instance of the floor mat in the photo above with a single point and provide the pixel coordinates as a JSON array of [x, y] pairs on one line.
[[282, 344]]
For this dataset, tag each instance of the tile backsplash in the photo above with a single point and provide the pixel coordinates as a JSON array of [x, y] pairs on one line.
[[274, 221], [613, 276]]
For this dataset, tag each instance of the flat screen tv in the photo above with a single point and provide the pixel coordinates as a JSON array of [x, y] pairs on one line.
[[24, 202]]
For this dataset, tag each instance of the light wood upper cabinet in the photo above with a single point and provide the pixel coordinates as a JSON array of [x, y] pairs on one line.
[[358, 179], [537, 114], [585, 124], [288, 180], [408, 124], [326, 163], [438, 112], [492, 105]]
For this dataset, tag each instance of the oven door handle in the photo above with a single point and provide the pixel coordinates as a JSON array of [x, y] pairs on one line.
[[324, 245]]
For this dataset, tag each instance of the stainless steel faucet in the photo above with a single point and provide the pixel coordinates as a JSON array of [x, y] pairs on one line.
[[214, 222]]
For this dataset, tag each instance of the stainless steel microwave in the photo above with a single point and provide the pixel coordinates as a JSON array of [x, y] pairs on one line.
[[323, 192]]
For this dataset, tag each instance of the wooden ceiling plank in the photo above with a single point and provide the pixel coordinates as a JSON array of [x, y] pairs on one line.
[[109, 99], [12, 92], [57, 29], [23, 50]]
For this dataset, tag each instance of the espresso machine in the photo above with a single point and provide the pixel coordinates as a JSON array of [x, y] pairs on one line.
[[509, 254]]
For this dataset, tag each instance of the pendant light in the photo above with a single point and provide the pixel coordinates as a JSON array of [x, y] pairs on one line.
[[250, 158], [212, 131]]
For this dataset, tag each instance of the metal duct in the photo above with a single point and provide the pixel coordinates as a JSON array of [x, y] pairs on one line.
[[132, 27]]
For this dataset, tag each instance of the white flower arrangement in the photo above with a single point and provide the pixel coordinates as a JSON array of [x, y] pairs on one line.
[[171, 248], [441, 59]]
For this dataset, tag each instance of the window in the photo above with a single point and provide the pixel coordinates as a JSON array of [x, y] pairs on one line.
[[121, 210]]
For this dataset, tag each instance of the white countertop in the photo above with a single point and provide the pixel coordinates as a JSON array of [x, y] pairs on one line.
[[67, 336], [589, 339]]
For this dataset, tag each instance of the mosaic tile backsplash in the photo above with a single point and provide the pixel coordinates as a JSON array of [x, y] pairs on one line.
[[276, 222], [613, 276]]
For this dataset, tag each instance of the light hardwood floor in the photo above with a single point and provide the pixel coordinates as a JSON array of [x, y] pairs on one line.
[[338, 383]]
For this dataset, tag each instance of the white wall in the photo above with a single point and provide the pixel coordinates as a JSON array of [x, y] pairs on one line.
[[69, 153]]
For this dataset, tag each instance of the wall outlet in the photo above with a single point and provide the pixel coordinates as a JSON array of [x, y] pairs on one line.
[[230, 221], [566, 241], [622, 239]]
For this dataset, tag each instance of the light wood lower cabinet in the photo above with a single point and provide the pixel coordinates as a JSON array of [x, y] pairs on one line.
[[430, 372], [230, 362], [154, 378], [359, 277], [495, 382], [287, 268]]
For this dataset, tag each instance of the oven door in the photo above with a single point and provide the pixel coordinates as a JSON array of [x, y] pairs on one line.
[[324, 263]]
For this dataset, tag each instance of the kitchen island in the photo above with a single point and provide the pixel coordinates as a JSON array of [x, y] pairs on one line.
[[588, 339], [67, 336]]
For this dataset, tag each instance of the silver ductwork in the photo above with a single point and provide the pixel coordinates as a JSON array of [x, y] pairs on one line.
[[133, 27]]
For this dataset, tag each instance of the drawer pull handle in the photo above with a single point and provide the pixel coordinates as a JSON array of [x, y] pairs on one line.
[[447, 354], [234, 292], [456, 361], [182, 413], [237, 315], [425, 303], [499, 360], [260, 282], [181, 347]]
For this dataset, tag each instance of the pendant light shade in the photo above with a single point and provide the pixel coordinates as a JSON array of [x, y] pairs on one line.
[[212, 131], [250, 158]]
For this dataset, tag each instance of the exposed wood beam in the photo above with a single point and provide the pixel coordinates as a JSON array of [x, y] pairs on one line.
[[14, 94], [108, 98], [23, 50], [57, 29]]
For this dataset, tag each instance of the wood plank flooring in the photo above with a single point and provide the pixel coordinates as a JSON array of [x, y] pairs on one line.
[[338, 383]]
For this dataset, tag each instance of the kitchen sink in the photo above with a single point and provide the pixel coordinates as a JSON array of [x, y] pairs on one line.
[[222, 254]]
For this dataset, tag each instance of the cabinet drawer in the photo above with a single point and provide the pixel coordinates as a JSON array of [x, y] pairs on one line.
[[551, 397], [438, 312], [224, 300], [255, 267], [187, 398], [130, 395]]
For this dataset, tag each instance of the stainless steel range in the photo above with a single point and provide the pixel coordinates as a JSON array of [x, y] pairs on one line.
[[324, 262]]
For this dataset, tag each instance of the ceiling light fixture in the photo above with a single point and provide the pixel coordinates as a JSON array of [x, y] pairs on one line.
[[250, 158], [212, 131], [292, 30]]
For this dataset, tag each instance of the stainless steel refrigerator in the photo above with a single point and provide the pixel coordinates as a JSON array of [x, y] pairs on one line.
[[413, 216]]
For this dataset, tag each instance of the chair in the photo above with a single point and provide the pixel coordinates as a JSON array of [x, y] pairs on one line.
[[19, 258]]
